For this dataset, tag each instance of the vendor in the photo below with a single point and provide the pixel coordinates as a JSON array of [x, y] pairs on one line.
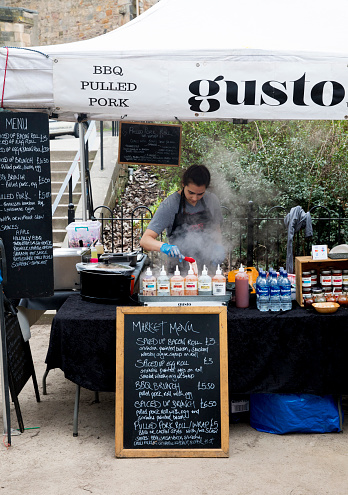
[[192, 219]]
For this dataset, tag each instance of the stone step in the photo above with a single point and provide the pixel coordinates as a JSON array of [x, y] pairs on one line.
[[55, 187], [65, 155], [65, 166], [59, 223], [58, 235], [62, 210], [65, 197]]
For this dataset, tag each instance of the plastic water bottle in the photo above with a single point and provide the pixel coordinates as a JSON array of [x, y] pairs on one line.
[[285, 293], [263, 293], [274, 296], [257, 287]]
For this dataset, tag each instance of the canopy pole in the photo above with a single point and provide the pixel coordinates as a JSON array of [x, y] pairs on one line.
[[82, 171]]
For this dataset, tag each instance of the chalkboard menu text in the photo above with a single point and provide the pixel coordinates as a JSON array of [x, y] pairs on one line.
[[171, 382], [149, 144], [25, 204]]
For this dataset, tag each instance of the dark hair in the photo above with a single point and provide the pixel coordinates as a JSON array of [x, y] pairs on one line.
[[198, 174]]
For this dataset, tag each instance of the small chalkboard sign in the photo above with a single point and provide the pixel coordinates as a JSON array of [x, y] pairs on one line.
[[25, 204], [149, 144], [20, 363], [172, 382]]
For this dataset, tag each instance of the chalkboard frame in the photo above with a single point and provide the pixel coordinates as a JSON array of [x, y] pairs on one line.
[[120, 450], [143, 124]]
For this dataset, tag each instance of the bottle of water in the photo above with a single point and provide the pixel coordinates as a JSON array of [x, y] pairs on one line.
[[257, 286], [285, 293], [274, 296], [280, 277], [263, 293]]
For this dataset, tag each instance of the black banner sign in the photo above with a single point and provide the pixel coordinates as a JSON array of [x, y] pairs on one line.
[[149, 144]]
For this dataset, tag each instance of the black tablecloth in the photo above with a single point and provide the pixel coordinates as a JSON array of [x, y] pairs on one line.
[[299, 351]]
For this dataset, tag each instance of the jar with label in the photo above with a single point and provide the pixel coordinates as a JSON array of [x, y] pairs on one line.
[[314, 278], [336, 277], [309, 301], [318, 295], [345, 289], [345, 277], [325, 279], [327, 291], [306, 293], [306, 280]]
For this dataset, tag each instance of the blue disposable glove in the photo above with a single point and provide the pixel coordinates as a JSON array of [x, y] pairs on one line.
[[172, 251]]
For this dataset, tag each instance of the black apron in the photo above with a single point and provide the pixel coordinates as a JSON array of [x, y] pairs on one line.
[[194, 234]]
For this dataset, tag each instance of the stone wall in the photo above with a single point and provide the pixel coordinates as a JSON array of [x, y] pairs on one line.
[[63, 21], [18, 27]]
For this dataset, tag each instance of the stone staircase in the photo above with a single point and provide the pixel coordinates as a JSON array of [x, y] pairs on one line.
[[60, 164]]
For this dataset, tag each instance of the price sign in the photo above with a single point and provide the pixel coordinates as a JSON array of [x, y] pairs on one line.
[[171, 382]]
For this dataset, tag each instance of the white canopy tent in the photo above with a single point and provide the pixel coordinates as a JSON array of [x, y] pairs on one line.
[[193, 60]]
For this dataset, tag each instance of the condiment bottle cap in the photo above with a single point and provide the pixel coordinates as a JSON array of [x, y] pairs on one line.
[[241, 269], [204, 271], [163, 272], [148, 271], [177, 271], [218, 270]]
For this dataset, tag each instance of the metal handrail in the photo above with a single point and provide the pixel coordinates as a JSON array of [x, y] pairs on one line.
[[73, 172]]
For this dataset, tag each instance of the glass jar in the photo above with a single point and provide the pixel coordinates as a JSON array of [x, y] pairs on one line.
[[330, 298], [336, 277], [325, 278], [345, 289], [318, 295], [306, 280], [306, 293], [345, 277], [308, 301], [314, 278], [343, 300]]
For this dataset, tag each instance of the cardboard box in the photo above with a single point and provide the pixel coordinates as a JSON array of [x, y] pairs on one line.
[[306, 263]]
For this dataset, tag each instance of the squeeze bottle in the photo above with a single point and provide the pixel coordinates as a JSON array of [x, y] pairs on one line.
[[242, 288], [100, 248], [191, 283], [149, 283], [219, 283], [204, 283], [163, 283], [94, 255], [177, 283]]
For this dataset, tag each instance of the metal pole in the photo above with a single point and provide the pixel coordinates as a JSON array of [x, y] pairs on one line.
[[101, 145], [82, 171], [250, 234], [6, 415]]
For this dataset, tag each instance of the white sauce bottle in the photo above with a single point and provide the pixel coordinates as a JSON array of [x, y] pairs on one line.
[[205, 287]]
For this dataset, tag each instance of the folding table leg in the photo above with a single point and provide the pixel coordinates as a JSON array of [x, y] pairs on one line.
[[44, 391], [76, 411]]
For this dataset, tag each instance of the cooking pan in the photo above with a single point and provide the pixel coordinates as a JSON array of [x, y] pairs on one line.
[[107, 283]]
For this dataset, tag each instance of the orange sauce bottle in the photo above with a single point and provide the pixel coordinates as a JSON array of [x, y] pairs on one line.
[[191, 284], [177, 284]]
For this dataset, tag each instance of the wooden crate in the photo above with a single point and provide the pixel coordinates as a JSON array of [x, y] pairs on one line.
[[306, 263]]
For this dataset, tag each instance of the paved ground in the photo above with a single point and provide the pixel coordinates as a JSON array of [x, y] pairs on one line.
[[48, 460]]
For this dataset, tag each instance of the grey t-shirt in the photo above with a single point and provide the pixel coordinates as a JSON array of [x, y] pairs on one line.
[[165, 214]]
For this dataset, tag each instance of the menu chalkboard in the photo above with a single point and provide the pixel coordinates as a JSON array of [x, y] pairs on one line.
[[149, 144], [25, 204], [20, 363], [171, 382]]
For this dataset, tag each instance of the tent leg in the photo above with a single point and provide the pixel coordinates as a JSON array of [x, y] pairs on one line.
[[76, 411], [82, 171]]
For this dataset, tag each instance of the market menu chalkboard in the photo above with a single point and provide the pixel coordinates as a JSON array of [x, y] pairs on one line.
[[149, 144], [171, 382], [25, 204]]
